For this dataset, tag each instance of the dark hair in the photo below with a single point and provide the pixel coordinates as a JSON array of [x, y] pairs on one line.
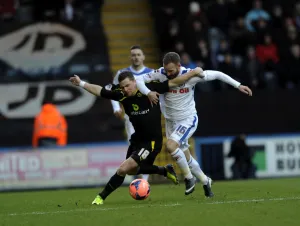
[[171, 57], [136, 47], [126, 74]]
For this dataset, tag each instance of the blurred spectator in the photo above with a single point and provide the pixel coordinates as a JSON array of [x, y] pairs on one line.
[[25, 11], [256, 13], [202, 54], [242, 168], [291, 68], [7, 9], [277, 30], [267, 55], [292, 34], [195, 33], [224, 48], [297, 15], [240, 37], [228, 67], [186, 61], [196, 14], [262, 27], [68, 10], [267, 51], [165, 14], [252, 69], [50, 127], [179, 47], [218, 15], [277, 16]]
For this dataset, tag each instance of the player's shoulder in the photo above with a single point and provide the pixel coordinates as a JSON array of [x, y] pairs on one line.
[[160, 70], [185, 70]]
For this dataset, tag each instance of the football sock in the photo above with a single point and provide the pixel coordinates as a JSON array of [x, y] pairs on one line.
[[114, 182], [196, 170], [152, 169], [180, 159]]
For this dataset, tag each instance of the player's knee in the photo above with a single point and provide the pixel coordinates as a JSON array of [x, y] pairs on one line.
[[187, 154], [127, 167], [121, 171], [171, 146]]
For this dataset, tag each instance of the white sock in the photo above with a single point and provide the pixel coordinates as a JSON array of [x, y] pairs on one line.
[[180, 159], [145, 176], [196, 170]]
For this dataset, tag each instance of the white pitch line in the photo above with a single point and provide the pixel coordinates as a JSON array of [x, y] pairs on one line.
[[143, 206], [88, 210], [253, 200]]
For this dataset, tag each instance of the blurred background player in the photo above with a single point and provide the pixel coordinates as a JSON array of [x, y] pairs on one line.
[[181, 115], [137, 68]]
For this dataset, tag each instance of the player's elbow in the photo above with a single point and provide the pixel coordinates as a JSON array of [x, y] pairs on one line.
[[199, 71]]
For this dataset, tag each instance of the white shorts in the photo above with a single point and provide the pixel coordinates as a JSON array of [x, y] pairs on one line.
[[180, 131], [128, 127]]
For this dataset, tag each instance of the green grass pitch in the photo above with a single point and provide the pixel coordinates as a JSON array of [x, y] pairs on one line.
[[256, 202]]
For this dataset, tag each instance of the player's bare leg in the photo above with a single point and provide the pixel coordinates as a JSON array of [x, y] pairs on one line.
[[178, 155], [198, 173]]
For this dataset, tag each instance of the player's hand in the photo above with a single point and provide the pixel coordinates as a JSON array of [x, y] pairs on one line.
[[119, 114], [75, 80], [246, 90], [153, 97]]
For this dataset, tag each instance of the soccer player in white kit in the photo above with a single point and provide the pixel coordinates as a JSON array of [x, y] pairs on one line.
[[137, 68], [178, 107]]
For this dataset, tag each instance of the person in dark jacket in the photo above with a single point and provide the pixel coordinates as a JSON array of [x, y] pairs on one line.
[[242, 168]]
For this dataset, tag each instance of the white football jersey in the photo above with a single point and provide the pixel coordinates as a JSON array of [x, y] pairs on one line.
[[179, 102]]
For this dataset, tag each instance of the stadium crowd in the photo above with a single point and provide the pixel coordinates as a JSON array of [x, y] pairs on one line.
[[255, 42], [26, 11]]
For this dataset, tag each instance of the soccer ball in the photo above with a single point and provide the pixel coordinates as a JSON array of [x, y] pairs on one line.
[[139, 189]]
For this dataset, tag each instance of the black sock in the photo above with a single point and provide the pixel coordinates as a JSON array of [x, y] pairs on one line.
[[152, 169], [114, 182]]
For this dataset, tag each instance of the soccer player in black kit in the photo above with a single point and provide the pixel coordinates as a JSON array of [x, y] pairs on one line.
[[146, 142]]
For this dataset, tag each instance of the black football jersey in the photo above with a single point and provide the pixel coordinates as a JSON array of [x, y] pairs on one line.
[[145, 118]]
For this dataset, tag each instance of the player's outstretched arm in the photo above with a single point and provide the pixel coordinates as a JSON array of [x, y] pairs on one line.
[[212, 75], [96, 89], [91, 88], [115, 104], [182, 79]]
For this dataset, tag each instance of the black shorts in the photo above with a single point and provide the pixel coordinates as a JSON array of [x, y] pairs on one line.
[[144, 152]]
